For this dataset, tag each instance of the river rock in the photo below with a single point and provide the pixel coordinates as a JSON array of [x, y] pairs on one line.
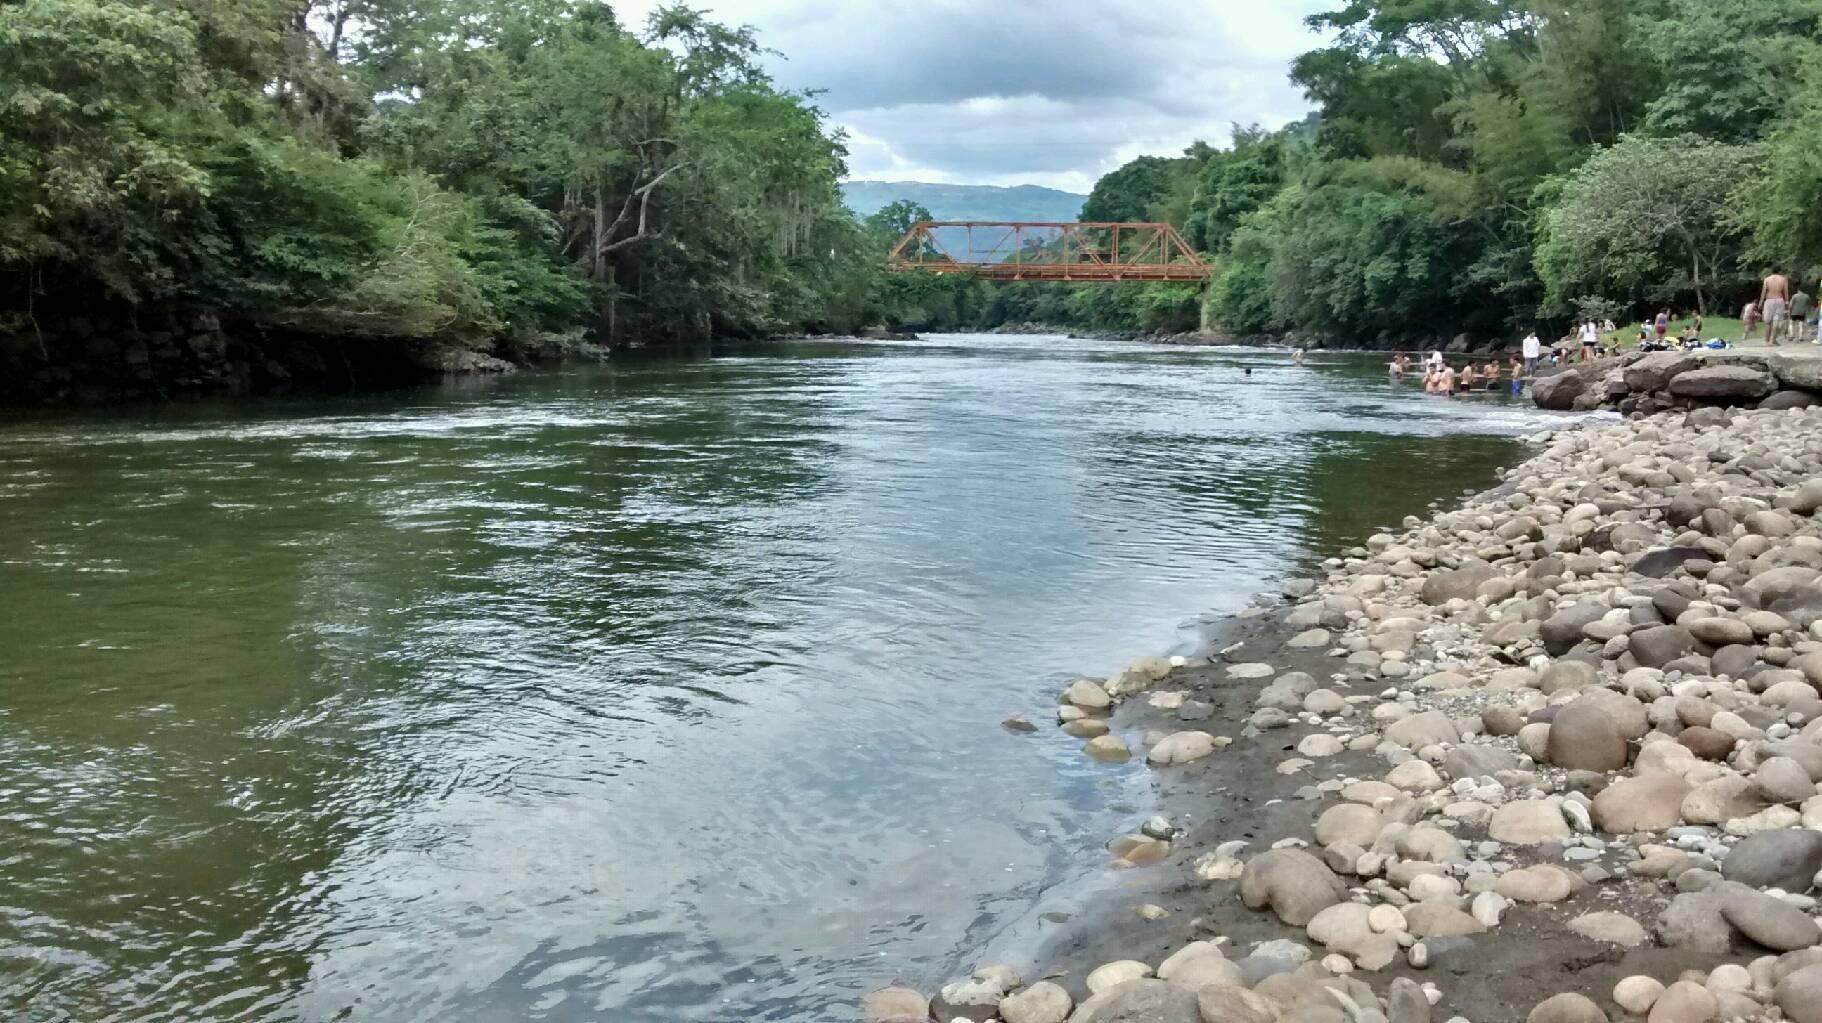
[[1724, 384], [1528, 822], [978, 997], [1721, 800], [1309, 639], [1654, 371], [1478, 760], [1419, 730], [1406, 1002], [1612, 928], [1659, 645], [1351, 823], [1565, 675], [1043, 1002], [895, 1005], [1721, 631], [1230, 1003], [1110, 975], [1583, 736], [1684, 1002], [1562, 630], [1707, 743], [1440, 920], [1108, 749], [1457, 584], [1637, 994], [1787, 858], [1140, 1001], [1542, 883], [1693, 921], [1295, 884], [1087, 694], [1648, 803], [1567, 1007], [1783, 780], [1771, 922], [1414, 776], [1181, 748], [1559, 390], [1799, 994]]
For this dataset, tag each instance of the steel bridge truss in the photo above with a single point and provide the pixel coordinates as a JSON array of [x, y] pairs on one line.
[[1048, 251]]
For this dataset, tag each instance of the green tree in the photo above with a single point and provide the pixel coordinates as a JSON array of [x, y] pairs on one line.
[[1646, 216]]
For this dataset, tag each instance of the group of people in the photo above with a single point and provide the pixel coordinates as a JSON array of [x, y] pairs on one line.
[[1441, 378], [1784, 316]]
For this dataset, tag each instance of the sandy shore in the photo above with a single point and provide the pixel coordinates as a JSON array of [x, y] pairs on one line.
[[1552, 756]]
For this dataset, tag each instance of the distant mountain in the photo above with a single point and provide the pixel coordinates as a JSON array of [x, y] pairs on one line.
[[965, 202]]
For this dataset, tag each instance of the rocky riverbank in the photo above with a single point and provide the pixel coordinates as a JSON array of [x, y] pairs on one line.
[[1648, 383], [1552, 756]]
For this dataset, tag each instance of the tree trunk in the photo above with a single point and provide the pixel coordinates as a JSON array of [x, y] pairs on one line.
[[1695, 274], [597, 258]]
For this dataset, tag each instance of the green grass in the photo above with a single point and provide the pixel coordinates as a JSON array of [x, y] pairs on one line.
[[1712, 326]]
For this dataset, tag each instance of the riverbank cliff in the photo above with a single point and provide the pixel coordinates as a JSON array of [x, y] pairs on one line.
[[1550, 756]]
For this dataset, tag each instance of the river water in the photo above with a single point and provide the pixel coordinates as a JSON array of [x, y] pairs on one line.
[[663, 691]]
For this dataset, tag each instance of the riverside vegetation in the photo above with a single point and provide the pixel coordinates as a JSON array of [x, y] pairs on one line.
[[197, 194], [1476, 168], [206, 193], [1554, 756]]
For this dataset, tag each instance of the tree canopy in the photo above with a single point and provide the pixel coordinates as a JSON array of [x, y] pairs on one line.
[[471, 170]]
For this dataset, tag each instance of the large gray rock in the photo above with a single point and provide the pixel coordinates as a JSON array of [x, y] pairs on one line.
[[1419, 730], [1650, 802], [1043, 1002], [1559, 391], [1567, 1007], [1406, 1002], [1795, 370], [1777, 585], [1693, 921], [1568, 674], [1460, 583], [1654, 371], [1478, 760], [1773, 923], [1788, 399], [1731, 384], [1295, 884], [1140, 1001], [1585, 737], [1659, 645], [1230, 1003], [1563, 630], [1799, 994], [1787, 858]]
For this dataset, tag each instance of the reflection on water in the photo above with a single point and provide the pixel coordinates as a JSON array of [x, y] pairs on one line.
[[666, 691]]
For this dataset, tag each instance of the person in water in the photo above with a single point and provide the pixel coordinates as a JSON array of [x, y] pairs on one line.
[[1468, 377], [1297, 356], [1446, 383]]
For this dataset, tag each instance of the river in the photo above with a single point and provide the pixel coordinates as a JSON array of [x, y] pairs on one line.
[[669, 690]]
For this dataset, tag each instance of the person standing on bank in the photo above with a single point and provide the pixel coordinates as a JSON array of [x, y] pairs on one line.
[[1774, 306], [1532, 349], [1801, 305]]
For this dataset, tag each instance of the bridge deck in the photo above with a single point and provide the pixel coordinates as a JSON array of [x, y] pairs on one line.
[[1048, 251]]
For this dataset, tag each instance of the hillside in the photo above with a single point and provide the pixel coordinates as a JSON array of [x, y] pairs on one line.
[[965, 202]]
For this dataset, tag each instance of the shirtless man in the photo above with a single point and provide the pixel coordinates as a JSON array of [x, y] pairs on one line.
[[1774, 306]]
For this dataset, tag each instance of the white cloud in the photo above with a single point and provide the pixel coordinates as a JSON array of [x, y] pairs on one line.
[[1013, 91]]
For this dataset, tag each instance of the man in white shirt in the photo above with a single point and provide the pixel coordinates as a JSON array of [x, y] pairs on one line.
[[1533, 350]]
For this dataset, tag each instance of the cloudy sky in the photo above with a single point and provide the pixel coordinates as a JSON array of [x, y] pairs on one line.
[[1048, 92]]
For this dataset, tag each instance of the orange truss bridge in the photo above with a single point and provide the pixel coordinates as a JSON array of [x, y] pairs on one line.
[[1010, 250]]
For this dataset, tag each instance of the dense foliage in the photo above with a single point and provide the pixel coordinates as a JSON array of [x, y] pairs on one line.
[[1481, 166], [474, 171]]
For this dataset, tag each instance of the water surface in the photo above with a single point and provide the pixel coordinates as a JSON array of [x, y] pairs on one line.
[[664, 691]]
